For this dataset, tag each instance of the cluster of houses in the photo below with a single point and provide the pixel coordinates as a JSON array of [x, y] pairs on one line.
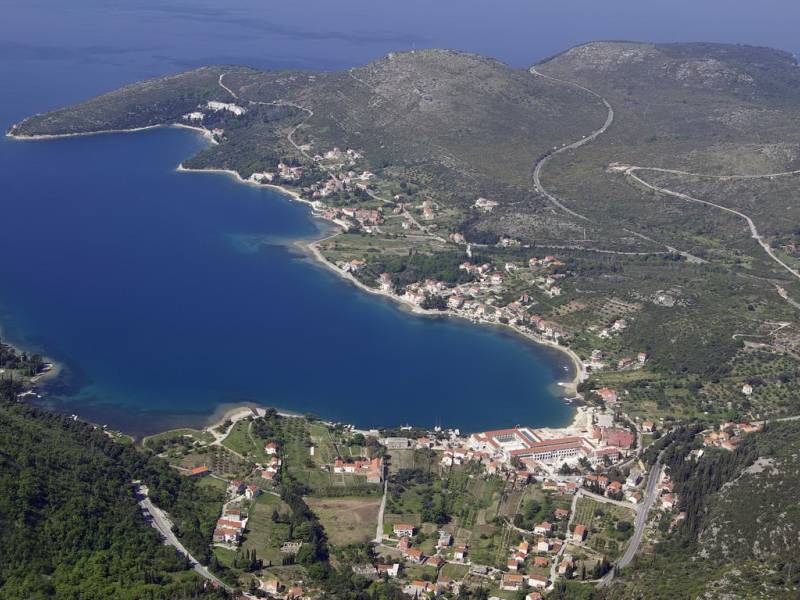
[[428, 210], [349, 181], [616, 327], [477, 300], [616, 489], [532, 448], [513, 582], [538, 556], [347, 217], [198, 116], [371, 468], [230, 525], [234, 109], [608, 395], [416, 588], [284, 172], [597, 361], [270, 470], [729, 434], [485, 205], [522, 452], [336, 157]]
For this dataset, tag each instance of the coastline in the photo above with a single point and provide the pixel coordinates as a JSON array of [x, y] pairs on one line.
[[32, 138], [55, 368], [311, 247], [570, 387]]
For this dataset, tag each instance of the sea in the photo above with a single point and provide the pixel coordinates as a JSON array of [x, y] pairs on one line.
[[169, 296]]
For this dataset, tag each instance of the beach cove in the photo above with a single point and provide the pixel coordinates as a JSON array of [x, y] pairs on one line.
[[174, 294]]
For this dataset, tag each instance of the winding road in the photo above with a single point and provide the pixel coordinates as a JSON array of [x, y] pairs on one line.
[[631, 172], [226, 88], [537, 169]]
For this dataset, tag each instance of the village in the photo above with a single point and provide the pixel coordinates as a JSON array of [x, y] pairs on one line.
[[340, 189], [507, 510]]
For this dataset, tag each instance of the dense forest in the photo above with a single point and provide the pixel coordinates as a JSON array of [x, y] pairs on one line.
[[71, 525]]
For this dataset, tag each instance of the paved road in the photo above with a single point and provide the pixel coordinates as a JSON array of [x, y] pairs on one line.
[[585, 140], [631, 172], [379, 530], [639, 522], [225, 87], [158, 519], [557, 558], [642, 514], [725, 177], [607, 500]]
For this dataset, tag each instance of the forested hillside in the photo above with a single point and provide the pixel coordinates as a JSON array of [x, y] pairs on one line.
[[71, 526], [742, 523]]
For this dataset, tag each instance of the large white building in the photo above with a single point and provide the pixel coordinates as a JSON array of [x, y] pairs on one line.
[[522, 442], [231, 108]]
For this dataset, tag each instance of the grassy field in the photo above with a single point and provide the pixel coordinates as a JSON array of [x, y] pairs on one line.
[[347, 520], [197, 434], [217, 458], [213, 483], [263, 535], [602, 521], [454, 572], [224, 556], [193, 435]]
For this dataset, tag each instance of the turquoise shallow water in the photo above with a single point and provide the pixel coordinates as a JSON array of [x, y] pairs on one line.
[[167, 294]]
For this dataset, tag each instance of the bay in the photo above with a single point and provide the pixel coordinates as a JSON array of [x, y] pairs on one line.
[[168, 294]]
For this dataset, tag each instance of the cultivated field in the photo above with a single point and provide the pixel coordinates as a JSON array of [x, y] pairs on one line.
[[347, 520]]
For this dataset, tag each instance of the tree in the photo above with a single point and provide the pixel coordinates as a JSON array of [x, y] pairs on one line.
[[565, 469]]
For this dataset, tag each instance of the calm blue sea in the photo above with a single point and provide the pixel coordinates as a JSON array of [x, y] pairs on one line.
[[168, 295]]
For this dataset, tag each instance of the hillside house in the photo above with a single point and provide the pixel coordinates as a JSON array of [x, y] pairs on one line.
[[403, 530], [579, 533], [512, 582]]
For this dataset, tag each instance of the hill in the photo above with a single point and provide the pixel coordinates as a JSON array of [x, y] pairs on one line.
[[71, 525], [739, 537], [656, 193]]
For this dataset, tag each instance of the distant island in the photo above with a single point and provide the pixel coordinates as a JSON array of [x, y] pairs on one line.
[[631, 204]]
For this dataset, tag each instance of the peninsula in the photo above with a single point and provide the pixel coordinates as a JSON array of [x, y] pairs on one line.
[[631, 204]]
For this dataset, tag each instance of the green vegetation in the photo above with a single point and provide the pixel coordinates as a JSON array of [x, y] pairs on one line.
[[72, 527], [184, 439], [347, 520], [609, 526], [640, 270], [697, 291], [24, 364], [738, 537]]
